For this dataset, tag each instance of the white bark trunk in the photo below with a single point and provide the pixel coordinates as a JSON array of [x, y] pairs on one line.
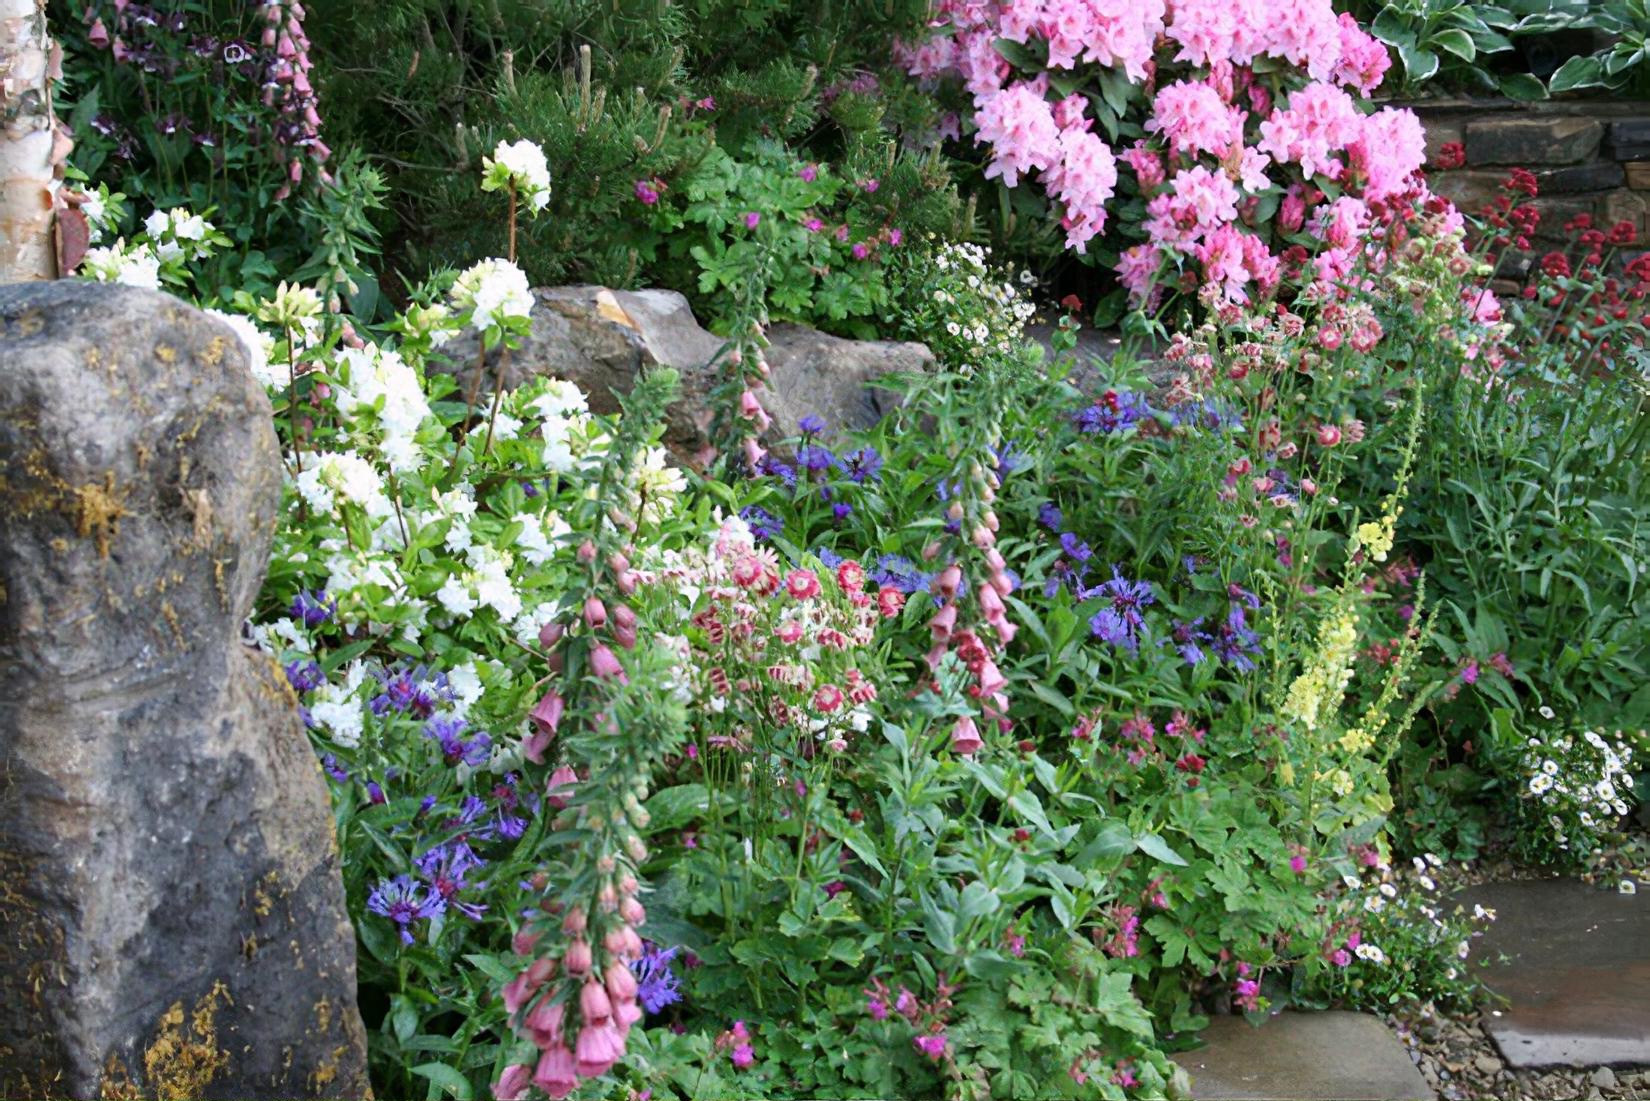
[[28, 139]]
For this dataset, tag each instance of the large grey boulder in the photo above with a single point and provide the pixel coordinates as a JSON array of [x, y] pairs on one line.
[[603, 339], [172, 921]]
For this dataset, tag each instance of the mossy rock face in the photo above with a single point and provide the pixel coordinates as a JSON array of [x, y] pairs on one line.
[[172, 920]]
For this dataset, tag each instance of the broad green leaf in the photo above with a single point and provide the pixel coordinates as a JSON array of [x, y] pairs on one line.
[[451, 1082], [1154, 846]]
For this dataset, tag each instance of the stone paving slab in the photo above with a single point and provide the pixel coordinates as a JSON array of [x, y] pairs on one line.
[[1333, 1056], [1578, 973]]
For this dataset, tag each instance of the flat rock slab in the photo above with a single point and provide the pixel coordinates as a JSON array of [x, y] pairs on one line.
[[1577, 974], [1333, 1056]]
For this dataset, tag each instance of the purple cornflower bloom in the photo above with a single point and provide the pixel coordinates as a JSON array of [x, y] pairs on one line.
[[446, 866], [1120, 622], [474, 751], [1009, 459], [656, 983], [403, 901], [901, 574], [772, 467], [861, 466], [313, 608], [1187, 640], [1113, 412], [828, 558], [1235, 641], [841, 511], [334, 769], [1078, 550], [409, 691], [814, 457], [811, 425], [764, 525], [1050, 516], [304, 676]]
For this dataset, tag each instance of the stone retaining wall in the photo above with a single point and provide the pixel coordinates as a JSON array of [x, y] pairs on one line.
[[1587, 156]]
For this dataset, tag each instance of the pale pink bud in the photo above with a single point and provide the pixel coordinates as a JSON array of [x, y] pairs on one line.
[[575, 922], [595, 613], [557, 1073], [625, 582], [593, 1004], [621, 982], [587, 551], [930, 551], [544, 1021], [512, 1084], [625, 1014], [948, 581], [625, 637], [990, 603], [965, 736], [943, 623], [632, 912], [547, 713], [524, 940], [604, 664], [577, 960], [560, 786], [754, 452]]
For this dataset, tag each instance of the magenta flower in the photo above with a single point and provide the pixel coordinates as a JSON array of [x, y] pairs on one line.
[[861, 250], [932, 1045], [814, 225], [752, 219], [646, 193], [809, 172]]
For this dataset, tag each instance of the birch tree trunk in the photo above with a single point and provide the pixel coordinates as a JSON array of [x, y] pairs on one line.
[[29, 143]]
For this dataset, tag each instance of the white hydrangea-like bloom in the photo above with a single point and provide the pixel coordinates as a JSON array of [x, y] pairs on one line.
[[337, 709], [128, 265], [522, 163], [258, 346], [493, 292], [562, 399], [493, 587], [380, 380], [330, 475], [455, 596], [537, 546]]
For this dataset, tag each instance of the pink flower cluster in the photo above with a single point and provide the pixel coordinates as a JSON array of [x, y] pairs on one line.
[[1247, 103]]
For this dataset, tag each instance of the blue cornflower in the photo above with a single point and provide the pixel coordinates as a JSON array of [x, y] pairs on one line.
[[411, 690], [1121, 621], [313, 608], [530, 489], [334, 769], [474, 751], [1050, 516], [1234, 591], [1236, 643], [1075, 547], [811, 425], [764, 525], [471, 809], [446, 866], [828, 558], [1009, 459], [304, 676], [1113, 411], [901, 574], [404, 901], [1189, 639], [656, 983], [772, 467], [861, 466], [814, 457], [1207, 414], [375, 793], [841, 511]]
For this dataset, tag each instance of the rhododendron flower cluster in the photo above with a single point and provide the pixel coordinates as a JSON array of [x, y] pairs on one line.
[[1248, 108]]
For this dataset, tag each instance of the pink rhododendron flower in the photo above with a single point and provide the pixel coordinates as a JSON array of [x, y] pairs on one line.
[[1084, 179], [1319, 122], [1364, 58], [1391, 148], [1193, 118], [1018, 124]]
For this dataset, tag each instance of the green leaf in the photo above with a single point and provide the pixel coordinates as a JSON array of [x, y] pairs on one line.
[[1578, 72], [675, 807], [1113, 840], [1457, 42], [1420, 64], [940, 925], [1522, 87], [1154, 846], [450, 1081]]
